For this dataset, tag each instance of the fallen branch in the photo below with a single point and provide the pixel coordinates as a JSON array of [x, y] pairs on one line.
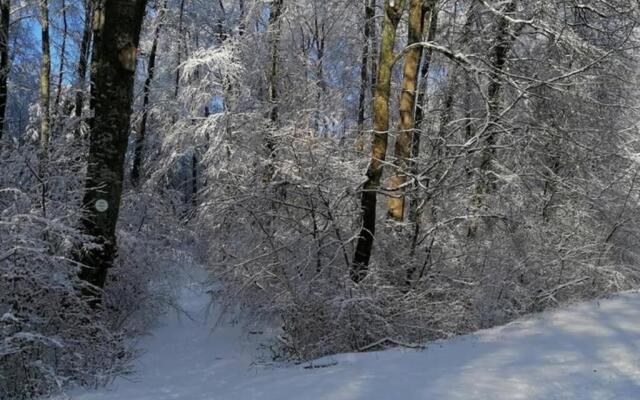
[[393, 341]]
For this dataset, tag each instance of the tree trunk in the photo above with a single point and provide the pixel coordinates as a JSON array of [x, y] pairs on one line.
[[180, 17], [392, 13], [83, 61], [431, 24], [141, 137], [5, 16], [486, 180], [404, 139], [45, 79], [63, 51], [274, 31], [117, 26], [369, 15], [374, 51]]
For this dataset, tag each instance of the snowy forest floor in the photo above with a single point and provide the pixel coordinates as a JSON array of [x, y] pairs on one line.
[[588, 351]]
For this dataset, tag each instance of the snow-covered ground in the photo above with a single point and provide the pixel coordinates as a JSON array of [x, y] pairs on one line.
[[590, 351]]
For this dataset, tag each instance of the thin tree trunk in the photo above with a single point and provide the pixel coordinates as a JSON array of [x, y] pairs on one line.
[[274, 31], [136, 171], [117, 34], [402, 151], [241, 19], [392, 13], [431, 24], [63, 55], [83, 61], [45, 79], [178, 71], [319, 39], [374, 51], [5, 16], [369, 14], [486, 180]]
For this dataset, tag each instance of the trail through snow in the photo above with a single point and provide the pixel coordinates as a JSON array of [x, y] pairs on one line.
[[589, 351]]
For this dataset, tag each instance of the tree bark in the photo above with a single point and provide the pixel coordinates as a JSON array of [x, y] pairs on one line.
[[392, 13], [365, 82], [83, 61], [404, 139], [45, 79], [116, 27], [141, 137], [5, 17]]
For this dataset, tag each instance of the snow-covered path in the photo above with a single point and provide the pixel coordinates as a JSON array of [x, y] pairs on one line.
[[590, 351]]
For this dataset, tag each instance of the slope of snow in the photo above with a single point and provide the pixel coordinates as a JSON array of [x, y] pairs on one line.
[[590, 351]]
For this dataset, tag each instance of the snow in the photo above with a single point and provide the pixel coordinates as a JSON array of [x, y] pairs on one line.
[[588, 351]]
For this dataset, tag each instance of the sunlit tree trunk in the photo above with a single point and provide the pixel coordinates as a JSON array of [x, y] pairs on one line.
[[5, 17], [117, 26], [392, 13], [402, 151]]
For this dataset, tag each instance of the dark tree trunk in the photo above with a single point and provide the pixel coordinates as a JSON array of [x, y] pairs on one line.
[[486, 182], [136, 171], [83, 61], [117, 26], [5, 14], [274, 31], [365, 81], [431, 24], [63, 51], [392, 13]]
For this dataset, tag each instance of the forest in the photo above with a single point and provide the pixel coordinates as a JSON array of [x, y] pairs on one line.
[[356, 175]]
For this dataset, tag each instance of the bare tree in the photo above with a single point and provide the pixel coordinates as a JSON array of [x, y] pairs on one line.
[[407, 127], [83, 60], [45, 79], [369, 197], [63, 55], [275, 24], [140, 139], [365, 81]]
